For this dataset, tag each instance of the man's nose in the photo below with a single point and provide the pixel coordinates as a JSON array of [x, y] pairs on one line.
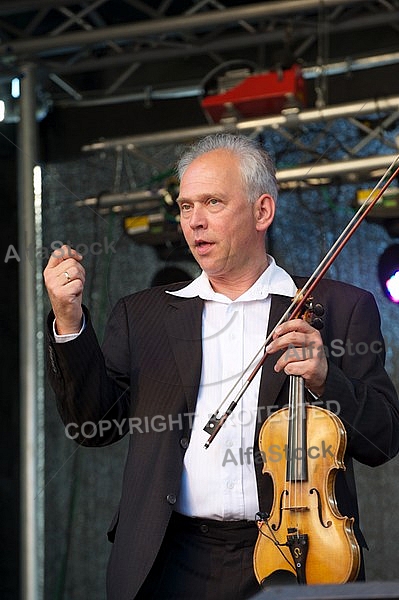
[[198, 217]]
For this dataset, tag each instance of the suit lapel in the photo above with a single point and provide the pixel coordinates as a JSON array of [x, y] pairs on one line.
[[184, 327], [271, 382]]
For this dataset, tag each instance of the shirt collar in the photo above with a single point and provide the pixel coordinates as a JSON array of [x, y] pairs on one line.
[[274, 280]]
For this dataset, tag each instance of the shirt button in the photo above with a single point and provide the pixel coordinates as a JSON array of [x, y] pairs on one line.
[[184, 442], [204, 528], [230, 485], [171, 498]]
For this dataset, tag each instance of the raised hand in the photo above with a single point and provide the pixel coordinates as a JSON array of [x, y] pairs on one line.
[[64, 277]]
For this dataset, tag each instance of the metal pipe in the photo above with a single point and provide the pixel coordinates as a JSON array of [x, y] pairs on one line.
[[31, 433], [110, 200], [296, 117], [287, 119], [351, 64], [336, 169], [148, 95], [251, 12]]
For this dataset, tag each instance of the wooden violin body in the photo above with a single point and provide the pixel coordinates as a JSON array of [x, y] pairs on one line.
[[305, 535]]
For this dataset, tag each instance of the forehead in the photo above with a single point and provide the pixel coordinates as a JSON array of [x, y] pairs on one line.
[[218, 167]]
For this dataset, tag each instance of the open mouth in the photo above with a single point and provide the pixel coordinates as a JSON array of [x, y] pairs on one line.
[[202, 246]]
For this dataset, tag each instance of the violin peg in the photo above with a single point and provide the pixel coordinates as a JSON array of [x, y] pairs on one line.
[[317, 323]]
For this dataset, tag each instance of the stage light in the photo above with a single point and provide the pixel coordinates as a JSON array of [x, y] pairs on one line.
[[393, 287], [388, 272]]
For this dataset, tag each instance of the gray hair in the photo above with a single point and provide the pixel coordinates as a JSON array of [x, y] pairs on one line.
[[257, 167]]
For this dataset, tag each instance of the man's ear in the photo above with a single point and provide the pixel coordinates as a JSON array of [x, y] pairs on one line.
[[265, 208]]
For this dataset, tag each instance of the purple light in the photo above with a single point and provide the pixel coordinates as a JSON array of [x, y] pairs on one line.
[[392, 285]]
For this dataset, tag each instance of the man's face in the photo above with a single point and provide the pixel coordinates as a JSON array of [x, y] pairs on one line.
[[218, 222]]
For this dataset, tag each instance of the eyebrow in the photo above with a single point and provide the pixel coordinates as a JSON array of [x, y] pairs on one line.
[[205, 196]]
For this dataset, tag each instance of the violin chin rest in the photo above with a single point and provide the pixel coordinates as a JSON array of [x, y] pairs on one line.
[[279, 577]]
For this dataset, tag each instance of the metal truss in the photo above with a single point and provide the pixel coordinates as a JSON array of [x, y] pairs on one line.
[[104, 52], [104, 49]]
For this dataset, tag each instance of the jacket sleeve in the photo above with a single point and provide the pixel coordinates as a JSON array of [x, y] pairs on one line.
[[93, 397], [359, 389]]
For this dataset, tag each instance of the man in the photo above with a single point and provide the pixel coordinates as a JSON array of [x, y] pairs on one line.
[[185, 525]]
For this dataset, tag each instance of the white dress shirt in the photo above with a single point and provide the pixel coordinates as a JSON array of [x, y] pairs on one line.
[[219, 482]]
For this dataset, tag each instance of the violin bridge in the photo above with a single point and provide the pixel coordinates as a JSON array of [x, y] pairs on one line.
[[297, 508]]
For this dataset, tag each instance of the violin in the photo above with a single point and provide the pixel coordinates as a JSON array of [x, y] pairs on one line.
[[304, 536]]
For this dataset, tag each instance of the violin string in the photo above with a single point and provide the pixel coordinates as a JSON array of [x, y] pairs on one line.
[[294, 443], [297, 450], [296, 453], [303, 449], [290, 441]]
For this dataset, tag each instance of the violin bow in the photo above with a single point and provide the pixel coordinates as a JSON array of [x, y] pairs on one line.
[[215, 422]]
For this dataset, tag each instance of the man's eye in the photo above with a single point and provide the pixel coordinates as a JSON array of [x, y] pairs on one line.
[[213, 201], [184, 207]]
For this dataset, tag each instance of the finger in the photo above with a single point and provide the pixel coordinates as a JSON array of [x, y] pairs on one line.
[[293, 325], [305, 335], [292, 355], [63, 253], [68, 271], [297, 356], [66, 279], [306, 363], [314, 373], [294, 339]]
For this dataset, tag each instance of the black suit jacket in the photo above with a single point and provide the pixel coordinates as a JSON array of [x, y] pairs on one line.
[[145, 381]]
